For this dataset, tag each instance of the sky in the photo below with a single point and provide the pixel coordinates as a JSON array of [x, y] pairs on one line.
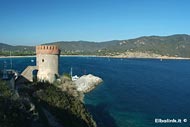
[[33, 22]]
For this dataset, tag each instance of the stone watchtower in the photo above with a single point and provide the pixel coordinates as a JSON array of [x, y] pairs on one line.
[[47, 62]]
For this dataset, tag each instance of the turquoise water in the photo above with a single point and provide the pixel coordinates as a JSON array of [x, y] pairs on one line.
[[134, 91]]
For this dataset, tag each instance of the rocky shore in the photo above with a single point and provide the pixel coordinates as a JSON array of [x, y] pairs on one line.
[[86, 83]]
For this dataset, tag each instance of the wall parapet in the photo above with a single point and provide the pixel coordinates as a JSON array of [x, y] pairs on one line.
[[48, 49]]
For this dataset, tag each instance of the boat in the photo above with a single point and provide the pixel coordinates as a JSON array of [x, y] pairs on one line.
[[74, 78]]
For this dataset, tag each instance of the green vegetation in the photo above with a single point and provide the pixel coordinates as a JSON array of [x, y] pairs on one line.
[[5, 92], [27, 108], [11, 112], [17, 53], [69, 110], [66, 75], [7, 50]]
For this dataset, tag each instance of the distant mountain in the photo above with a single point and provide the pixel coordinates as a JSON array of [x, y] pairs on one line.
[[3, 45], [174, 45], [83, 47], [16, 50]]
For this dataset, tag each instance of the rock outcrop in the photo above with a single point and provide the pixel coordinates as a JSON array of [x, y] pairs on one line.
[[86, 83]]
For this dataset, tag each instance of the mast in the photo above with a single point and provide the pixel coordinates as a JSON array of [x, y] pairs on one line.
[[11, 62], [5, 76], [71, 73]]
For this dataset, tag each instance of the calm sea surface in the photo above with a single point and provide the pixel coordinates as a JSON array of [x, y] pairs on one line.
[[134, 91]]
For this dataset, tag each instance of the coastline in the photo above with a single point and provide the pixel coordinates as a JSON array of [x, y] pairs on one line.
[[118, 56], [17, 56], [163, 57]]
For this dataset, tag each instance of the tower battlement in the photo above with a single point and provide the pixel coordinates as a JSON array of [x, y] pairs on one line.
[[47, 49]]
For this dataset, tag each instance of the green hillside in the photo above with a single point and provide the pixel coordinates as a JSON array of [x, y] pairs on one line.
[[6, 50], [174, 45]]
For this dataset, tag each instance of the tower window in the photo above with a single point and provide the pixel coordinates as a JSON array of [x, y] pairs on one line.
[[42, 60]]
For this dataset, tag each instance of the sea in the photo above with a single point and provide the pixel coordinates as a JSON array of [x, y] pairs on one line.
[[134, 92]]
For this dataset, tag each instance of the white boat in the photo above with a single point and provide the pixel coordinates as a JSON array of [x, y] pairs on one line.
[[74, 78]]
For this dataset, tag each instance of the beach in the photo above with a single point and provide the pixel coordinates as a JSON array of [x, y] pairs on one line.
[[116, 56]]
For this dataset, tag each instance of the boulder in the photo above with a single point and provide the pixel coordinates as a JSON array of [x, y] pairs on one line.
[[86, 83]]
